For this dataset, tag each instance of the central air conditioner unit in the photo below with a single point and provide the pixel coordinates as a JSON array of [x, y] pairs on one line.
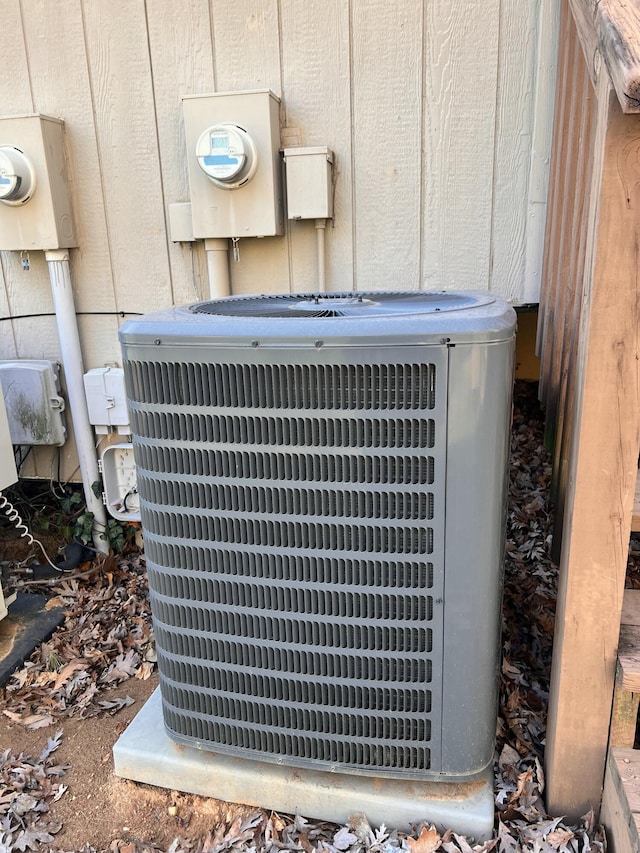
[[322, 483]]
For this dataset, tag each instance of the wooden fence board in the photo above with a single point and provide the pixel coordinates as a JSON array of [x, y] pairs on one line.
[[602, 471]]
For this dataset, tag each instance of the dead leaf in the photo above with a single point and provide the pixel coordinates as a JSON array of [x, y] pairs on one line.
[[115, 704], [32, 838], [304, 842], [523, 780], [509, 757], [343, 839], [144, 671], [559, 837], [462, 843], [66, 672], [31, 721], [38, 721], [508, 844], [123, 667], [23, 803], [427, 842], [62, 789], [52, 744]]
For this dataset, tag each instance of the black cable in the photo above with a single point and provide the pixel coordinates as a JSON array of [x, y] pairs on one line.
[[132, 491], [109, 313], [75, 553], [78, 314], [20, 454]]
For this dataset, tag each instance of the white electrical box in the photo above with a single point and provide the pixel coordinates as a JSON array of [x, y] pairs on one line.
[[35, 202], [8, 472], [106, 400], [180, 222], [309, 183], [35, 409], [3, 607], [233, 160], [120, 494], [6, 600]]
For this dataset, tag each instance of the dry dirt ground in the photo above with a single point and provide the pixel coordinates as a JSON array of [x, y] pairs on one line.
[[60, 792], [81, 683], [99, 807]]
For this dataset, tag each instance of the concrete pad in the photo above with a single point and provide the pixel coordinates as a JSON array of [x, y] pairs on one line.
[[145, 753]]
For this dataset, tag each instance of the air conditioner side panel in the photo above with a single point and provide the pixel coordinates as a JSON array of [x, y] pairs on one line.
[[479, 414]]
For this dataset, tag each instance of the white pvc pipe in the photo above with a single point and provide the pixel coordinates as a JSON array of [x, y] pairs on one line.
[[63, 303], [217, 250], [322, 269]]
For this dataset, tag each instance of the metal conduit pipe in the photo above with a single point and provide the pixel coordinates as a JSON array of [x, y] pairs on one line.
[[64, 306]]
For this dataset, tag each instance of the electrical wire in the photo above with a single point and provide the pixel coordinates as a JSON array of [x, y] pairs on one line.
[[56, 460], [14, 517], [20, 455], [78, 314], [129, 493], [68, 576]]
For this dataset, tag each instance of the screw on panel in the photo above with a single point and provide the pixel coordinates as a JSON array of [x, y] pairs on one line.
[[255, 343], [157, 342], [319, 344], [444, 340]]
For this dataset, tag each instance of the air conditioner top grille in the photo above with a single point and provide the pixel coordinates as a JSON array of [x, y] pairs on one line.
[[352, 319], [354, 305]]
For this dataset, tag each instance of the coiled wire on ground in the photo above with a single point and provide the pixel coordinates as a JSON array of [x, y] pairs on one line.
[[14, 517]]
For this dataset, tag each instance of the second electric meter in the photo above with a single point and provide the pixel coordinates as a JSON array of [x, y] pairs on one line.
[[227, 155], [17, 178], [233, 160]]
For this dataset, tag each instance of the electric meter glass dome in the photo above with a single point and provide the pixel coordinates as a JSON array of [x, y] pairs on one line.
[[17, 178], [227, 155]]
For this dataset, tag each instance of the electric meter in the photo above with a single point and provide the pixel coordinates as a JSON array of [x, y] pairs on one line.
[[227, 155], [17, 177]]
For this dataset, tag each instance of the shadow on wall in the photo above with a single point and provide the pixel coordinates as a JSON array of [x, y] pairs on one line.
[[527, 362]]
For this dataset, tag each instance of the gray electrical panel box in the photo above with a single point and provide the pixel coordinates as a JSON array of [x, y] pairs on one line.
[[323, 484], [233, 160], [309, 182], [35, 409], [41, 218], [8, 471]]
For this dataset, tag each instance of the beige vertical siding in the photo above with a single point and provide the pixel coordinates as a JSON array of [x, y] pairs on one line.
[[432, 109]]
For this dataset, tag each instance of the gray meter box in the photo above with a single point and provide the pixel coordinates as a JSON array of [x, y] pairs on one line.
[[35, 409], [256, 208], [322, 483], [45, 221]]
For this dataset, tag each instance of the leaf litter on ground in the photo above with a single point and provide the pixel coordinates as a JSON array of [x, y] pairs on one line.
[[27, 786], [107, 638]]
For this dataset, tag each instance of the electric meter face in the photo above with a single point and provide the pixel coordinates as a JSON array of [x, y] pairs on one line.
[[227, 155], [17, 178]]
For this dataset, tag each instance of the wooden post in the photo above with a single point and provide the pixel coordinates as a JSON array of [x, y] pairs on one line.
[[602, 469]]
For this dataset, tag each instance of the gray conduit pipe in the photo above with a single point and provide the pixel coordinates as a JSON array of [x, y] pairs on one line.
[[64, 306]]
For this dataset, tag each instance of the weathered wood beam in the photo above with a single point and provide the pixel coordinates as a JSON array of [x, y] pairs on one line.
[[610, 29], [620, 820], [602, 470]]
